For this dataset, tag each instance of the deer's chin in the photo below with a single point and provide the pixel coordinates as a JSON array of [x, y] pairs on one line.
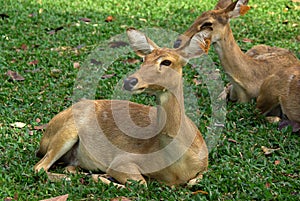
[[138, 91]]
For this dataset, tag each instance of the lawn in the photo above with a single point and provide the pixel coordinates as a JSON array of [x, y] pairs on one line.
[[51, 44]]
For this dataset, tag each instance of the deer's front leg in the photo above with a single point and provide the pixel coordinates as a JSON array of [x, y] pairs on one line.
[[124, 170], [237, 93]]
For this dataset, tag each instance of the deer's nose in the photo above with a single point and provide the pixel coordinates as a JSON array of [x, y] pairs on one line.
[[129, 83], [177, 43]]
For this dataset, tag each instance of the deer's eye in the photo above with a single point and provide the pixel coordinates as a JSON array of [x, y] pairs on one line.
[[206, 25], [166, 63]]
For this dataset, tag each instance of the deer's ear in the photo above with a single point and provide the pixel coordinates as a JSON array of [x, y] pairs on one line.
[[199, 44], [222, 4], [140, 43], [237, 8]]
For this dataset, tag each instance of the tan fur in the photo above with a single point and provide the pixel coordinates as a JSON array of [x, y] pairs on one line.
[[282, 88], [77, 135], [246, 71]]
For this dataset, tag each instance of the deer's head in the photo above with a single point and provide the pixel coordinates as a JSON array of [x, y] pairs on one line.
[[210, 26], [161, 69]]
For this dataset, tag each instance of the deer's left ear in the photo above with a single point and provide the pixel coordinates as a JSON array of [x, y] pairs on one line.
[[237, 8], [140, 43], [198, 45]]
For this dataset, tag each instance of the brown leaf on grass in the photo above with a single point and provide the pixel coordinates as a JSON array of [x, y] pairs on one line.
[[13, 61], [131, 61], [247, 40], [85, 19], [76, 65], [34, 62], [40, 127], [55, 72], [200, 191], [122, 198], [109, 19], [14, 76], [107, 76], [24, 47], [277, 162], [116, 44], [232, 140], [55, 30], [268, 151], [37, 120], [197, 82], [267, 185], [18, 125], [59, 198]]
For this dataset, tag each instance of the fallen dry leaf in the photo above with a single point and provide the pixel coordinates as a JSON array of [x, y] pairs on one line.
[[131, 61], [18, 125], [34, 62], [109, 19], [24, 47], [76, 65], [14, 76], [116, 44], [143, 19], [268, 151], [37, 120], [40, 127], [107, 76], [268, 185], [200, 191], [59, 198], [85, 19], [196, 81], [55, 30], [55, 72], [247, 40], [122, 198], [232, 140], [277, 162]]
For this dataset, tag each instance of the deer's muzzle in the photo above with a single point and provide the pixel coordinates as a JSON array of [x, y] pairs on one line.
[[130, 83]]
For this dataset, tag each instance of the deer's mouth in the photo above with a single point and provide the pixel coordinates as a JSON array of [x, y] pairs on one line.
[[138, 90]]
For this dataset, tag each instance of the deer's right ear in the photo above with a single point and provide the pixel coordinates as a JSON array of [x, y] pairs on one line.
[[237, 8], [223, 4], [140, 43], [199, 44]]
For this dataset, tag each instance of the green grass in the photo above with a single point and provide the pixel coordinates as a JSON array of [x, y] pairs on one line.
[[238, 169]]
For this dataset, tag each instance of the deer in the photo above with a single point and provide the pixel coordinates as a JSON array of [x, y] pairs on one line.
[[131, 141], [282, 89], [246, 71]]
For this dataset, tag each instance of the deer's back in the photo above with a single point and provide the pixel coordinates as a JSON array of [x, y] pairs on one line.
[[273, 57], [290, 99]]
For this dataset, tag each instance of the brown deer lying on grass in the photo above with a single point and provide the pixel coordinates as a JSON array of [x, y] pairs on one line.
[[246, 71], [163, 144], [282, 89]]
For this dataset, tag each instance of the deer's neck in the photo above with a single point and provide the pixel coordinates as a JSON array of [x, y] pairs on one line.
[[171, 114], [233, 60]]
